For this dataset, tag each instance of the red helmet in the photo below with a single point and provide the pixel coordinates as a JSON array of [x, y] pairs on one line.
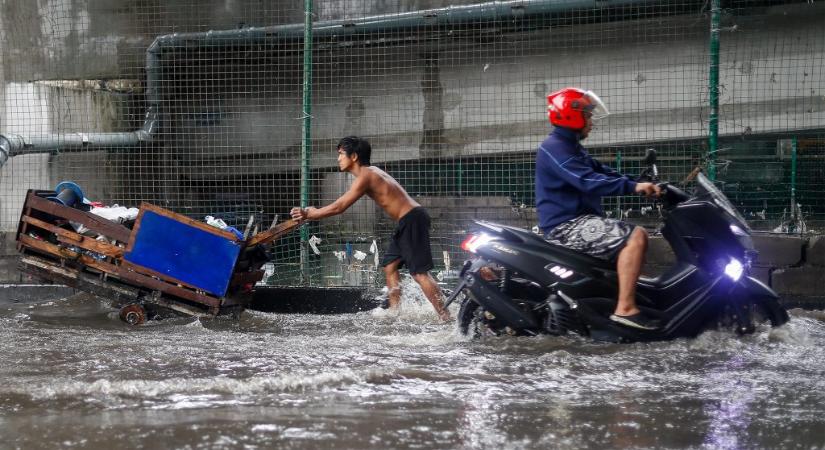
[[566, 107]]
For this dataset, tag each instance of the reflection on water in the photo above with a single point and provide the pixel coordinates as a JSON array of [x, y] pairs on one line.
[[729, 414], [75, 376]]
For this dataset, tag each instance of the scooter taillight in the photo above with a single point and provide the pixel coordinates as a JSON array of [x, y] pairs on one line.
[[468, 241], [474, 241]]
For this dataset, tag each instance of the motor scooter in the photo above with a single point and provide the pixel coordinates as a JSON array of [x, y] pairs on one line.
[[518, 283]]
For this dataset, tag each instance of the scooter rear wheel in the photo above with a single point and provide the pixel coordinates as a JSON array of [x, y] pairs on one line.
[[474, 321]]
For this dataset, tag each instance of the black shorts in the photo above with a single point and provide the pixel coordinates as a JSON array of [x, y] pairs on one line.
[[410, 242], [594, 235]]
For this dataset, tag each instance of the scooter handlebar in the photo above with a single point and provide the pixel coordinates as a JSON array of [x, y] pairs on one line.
[[671, 195]]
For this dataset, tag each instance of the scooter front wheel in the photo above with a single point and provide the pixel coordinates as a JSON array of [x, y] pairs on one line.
[[744, 318]]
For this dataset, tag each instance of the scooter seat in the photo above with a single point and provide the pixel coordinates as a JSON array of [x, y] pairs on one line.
[[668, 277], [582, 258], [564, 252]]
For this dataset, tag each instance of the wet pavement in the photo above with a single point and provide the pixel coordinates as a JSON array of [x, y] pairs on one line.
[[73, 376]]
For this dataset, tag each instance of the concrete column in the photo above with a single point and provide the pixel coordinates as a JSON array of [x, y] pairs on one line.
[[432, 136], [2, 77]]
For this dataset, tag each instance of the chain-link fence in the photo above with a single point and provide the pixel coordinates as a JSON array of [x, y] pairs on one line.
[[202, 107]]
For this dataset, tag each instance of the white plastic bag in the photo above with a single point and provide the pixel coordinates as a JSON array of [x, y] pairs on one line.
[[115, 213]]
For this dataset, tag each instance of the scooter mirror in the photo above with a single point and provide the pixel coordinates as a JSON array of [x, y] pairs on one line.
[[650, 157]]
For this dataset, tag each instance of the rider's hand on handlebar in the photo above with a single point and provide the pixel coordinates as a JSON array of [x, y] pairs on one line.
[[648, 189]]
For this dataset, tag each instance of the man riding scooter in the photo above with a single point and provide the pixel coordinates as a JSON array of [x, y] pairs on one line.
[[570, 185]]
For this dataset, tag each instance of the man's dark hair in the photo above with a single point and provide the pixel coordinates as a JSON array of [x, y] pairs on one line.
[[357, 145]]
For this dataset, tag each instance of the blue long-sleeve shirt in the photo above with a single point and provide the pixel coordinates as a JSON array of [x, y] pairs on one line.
[[570, 183]]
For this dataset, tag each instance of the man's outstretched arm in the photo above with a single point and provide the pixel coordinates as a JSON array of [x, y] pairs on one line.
[[356, 191]]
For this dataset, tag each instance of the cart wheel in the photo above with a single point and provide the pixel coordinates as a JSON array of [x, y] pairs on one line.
[[133, 314]]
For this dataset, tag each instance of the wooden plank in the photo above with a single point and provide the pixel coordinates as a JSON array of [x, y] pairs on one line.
[[64, 253], [46, 247], [111, 251], [118, 293], [95, 223], [273, 233], [63, 274], [153, 273], [73, 238], [174, 290], [22, 227]]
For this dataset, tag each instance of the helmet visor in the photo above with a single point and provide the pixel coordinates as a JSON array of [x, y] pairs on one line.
[[596, 109]]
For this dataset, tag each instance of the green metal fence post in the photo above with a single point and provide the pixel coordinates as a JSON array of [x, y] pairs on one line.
[[794, 209], [713, 87], [306, 149], [619, 199], [460, 178]]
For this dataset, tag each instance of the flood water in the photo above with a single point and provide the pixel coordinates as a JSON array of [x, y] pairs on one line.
[[74, 376]]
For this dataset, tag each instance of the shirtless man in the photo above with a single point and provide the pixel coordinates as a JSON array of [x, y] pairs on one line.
[[410, 242]]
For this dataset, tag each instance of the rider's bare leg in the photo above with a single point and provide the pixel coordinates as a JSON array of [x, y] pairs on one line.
[[629, 267]]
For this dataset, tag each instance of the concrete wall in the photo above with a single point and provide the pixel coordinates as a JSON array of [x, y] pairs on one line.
[[456, 97], [452, 97], [468, 97], [460, 97], [82, 39], [39, 108]]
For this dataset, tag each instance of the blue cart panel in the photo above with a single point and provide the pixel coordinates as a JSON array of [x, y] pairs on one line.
[[192, 252]]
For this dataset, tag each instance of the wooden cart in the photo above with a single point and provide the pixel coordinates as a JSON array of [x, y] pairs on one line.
[[165, 262]]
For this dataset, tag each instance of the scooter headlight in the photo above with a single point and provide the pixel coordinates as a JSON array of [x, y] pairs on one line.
[[734, 269], [738, 231]]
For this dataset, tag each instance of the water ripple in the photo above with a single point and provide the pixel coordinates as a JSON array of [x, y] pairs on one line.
[[75, 376]]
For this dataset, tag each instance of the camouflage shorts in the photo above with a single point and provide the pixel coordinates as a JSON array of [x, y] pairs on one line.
[[594, 235]]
